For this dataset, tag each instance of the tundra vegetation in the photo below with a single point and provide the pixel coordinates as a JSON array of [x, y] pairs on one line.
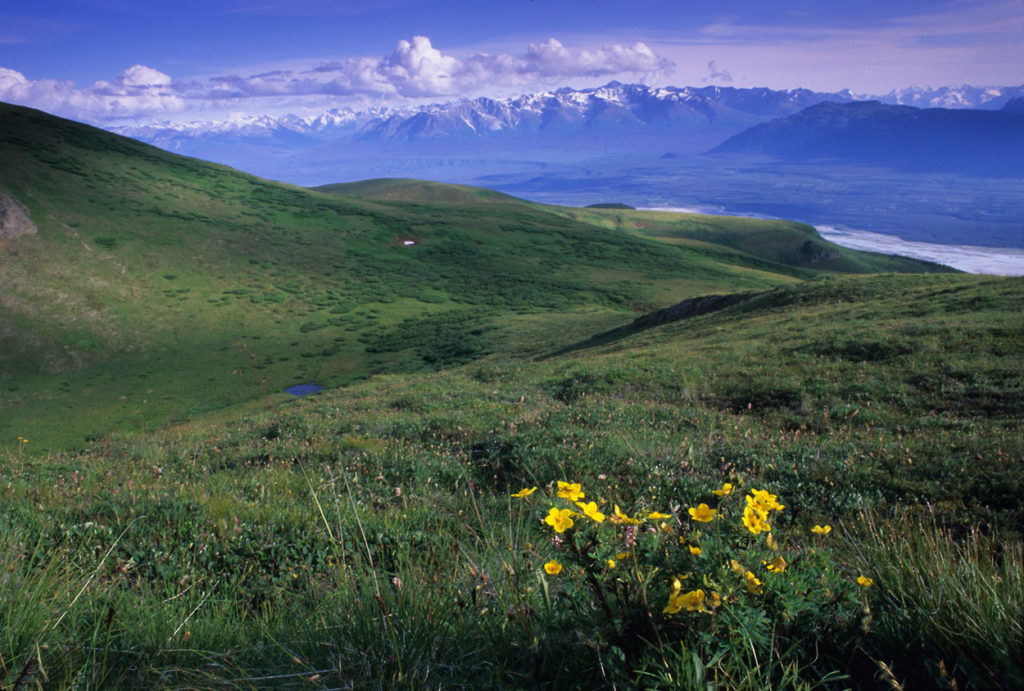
[[513, 478]]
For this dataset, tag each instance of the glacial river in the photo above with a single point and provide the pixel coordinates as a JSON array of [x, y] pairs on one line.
[[998, 261]]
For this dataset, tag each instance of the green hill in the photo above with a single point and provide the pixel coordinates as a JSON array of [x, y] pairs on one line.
[[800, 479], [159, 286]]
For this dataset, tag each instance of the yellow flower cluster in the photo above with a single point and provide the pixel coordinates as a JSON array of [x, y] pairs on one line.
[[693, 601], [562, 519], [758, 507], [755, 515]]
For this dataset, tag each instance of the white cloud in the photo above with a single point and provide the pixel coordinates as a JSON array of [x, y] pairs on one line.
[[139, 90], [552, 59], [415, 69], [418, 69]]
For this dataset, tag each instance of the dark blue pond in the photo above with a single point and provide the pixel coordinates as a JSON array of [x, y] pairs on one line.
[[303, 389]]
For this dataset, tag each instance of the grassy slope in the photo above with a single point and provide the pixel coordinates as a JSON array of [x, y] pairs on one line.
[[190, 286], [784, 242], [845, 396], [364, 536], [160, 286], [797, 245]]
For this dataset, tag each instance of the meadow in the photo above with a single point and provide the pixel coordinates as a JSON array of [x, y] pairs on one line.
[[527, 468]]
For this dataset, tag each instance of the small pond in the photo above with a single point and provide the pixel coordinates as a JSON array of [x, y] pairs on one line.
[[303, 389]]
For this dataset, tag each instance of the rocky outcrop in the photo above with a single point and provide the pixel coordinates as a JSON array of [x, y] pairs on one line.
[[14, 220]]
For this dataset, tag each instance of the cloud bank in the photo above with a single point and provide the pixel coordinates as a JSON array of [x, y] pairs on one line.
[[414, 70], [139, 90]]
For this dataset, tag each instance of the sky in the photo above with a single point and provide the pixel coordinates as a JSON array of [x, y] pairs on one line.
[[135, 61]]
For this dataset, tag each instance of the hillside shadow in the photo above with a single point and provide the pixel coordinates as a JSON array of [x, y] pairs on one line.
[[694, 307]]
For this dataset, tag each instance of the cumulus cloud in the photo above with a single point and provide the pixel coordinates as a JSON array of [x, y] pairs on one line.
[[552, 59], [137, 91], [415, 69]]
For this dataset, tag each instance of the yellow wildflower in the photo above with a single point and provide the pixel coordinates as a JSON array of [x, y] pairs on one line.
[[703, 513], [523, 493], [694, 550], [764, 501], [737, 567], [726, 490], [692, 601], [865, 581], [771, 542], [571, 491], [756, 521], [611, 563], [590, 511], [753, 583], [655, 516], [553, 568], [619, 517], [559, 519], [776, 565], [821, 529], [716, 600]]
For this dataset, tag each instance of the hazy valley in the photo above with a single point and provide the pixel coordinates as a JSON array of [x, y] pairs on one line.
[[954, 181]]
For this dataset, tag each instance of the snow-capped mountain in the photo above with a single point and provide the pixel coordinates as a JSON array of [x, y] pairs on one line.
[[963, 96], [613, 106], [468, 140], [256, 129]]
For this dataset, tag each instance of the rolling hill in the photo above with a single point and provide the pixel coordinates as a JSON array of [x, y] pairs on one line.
[[159, 286], [555, 448]]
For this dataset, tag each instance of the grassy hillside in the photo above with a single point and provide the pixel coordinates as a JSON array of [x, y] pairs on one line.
[[158, 287], [366, 536], [406, 190], [769, 242], [783, 242], [800, 479]]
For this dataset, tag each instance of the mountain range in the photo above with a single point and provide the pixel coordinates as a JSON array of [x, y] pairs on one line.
[[643, 146], [614, 106]]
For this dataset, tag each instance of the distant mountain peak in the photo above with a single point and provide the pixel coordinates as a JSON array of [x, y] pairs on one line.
[[974, 142]]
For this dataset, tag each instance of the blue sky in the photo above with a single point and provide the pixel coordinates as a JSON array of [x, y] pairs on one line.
[[109, 61]]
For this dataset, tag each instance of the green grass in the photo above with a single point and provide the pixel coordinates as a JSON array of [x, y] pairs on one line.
[[149, 267], [215, 532], [159, 287], [289, 520]]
